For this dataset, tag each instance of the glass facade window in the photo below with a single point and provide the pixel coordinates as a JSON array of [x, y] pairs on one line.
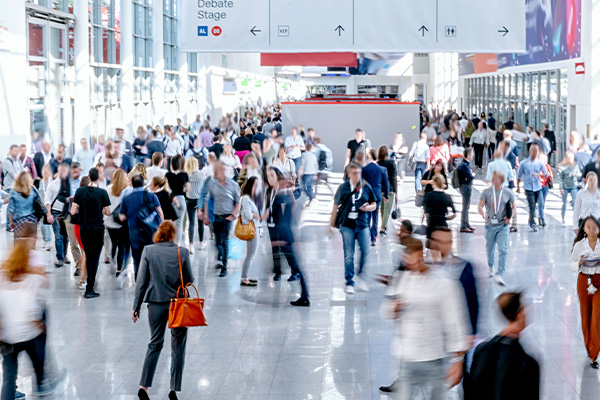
[[105, 31], [61, 5], [533, 99], [170, 35], [142, 33]]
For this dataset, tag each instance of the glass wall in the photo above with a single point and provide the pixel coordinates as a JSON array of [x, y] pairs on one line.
[[532, 98], [170, 54]]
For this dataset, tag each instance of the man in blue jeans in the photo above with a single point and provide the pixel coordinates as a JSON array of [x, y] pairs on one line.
[[377, 177], [499, 203], [530, 171], [56, 199], [420, 156], [353, 201]]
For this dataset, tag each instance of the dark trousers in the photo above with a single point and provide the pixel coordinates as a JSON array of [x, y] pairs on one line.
[[479, 148], [137, 247], [465, 192], [374, 222], [119, 239], [221, 228], [36, 350], [158, 316], [61, 239], [193, 220], [491, 150], [532, 199], [288, 252], [92, 240]]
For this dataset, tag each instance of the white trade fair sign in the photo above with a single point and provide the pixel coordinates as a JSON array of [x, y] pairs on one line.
[[290, 26]]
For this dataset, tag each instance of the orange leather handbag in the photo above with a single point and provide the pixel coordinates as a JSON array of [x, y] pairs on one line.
[[185, 312], [245, 232]]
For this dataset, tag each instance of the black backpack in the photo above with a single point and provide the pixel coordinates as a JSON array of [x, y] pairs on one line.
[[201, 159], [322, 160]]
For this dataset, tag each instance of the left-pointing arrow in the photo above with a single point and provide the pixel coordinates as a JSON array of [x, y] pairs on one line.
[[254, 30]]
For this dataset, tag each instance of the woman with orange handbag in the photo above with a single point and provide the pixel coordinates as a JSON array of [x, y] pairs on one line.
[[157, 283], [249, 214]]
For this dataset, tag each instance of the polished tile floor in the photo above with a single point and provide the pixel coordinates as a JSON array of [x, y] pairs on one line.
[[258, 347]]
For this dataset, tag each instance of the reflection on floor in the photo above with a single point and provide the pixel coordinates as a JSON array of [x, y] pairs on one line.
[[258, 347]]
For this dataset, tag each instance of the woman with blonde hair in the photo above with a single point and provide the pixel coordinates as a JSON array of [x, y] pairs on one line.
[[160, 187], [139, 169], [192, 199], [231, 161], [22, 310], [118, 230], [20, 203]]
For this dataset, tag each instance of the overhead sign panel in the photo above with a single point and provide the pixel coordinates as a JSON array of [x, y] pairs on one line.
[[291, 26]]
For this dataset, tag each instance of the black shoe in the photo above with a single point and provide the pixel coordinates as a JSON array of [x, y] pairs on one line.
[[223, 272], [372, 244], [293, 278], [248, 283], [91, 295], [301, 303], [172, 395], [218, 265], [117, 274], [542, 223], [143, 395], [77, 272], [387, 389], [277, 277], [594, 364], [67, 261], [9, 230], [59, 264]]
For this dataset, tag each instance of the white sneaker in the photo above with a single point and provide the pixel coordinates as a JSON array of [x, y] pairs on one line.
[[82, 285], [191, 249], [361, 284], [564, 224], [499, 280], [349, 289], [491, 272], [202, 246]]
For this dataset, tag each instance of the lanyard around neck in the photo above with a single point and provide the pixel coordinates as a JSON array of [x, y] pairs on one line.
[[497, 202]]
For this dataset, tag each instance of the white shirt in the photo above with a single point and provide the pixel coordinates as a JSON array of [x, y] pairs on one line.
[[196, 126], [47, 157], [51, 193], [22, 305], [295, 152], [586, 204], [479, 137], [288, 170], [420, 151], [174, 147], [230, 162], [155, 171], [433, 322], [582, 248]]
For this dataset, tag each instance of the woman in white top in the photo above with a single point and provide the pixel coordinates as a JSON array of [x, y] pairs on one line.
[[585, 259], [285, 165], [249, 212], [46, 229], [587, 202], [22, 310], [231, 161], [118, 232]]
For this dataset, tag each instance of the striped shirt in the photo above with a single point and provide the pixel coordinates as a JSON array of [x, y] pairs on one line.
[[197, 179]]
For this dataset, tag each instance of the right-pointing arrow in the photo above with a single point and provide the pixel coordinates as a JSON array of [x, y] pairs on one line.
[[503, 30]]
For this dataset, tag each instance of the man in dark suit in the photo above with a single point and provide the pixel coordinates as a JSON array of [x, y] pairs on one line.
[[43, 157], [377, 177], [59, 159], [126, 161], [548, 134], [155, 145]]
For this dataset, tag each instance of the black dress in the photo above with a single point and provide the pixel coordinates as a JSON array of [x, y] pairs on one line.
[[166, 203]]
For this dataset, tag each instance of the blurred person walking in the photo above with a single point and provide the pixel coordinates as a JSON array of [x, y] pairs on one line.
[[431, 323], [20, 211], [157, 283], [179, 183], [587, 202], [501, 369], [568, 174], [118, 230], [249, 212], [466, 175], [377, 177], [436, 205], [384, 161], [43, 187], [530, 171], [308, 171], [279, 213], [419, 156], [56, 201]]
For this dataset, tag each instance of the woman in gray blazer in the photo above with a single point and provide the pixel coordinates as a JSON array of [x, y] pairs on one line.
[[157, 282]]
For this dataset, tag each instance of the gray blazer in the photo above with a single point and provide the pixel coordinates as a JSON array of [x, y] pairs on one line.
[[158, 276]]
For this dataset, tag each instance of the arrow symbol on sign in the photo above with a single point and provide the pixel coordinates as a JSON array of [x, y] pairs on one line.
[[339, 29], [423, 29], [254, 30], [504, 30]]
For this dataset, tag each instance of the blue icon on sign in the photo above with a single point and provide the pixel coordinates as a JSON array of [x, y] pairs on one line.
[[203, 31]]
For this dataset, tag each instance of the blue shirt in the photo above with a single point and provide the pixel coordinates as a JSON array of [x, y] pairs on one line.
[[131, 205], [377, 177], [529, 173], [74, 185], [465, 173]]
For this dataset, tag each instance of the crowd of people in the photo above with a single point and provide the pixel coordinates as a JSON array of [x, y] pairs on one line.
[[146, 199]]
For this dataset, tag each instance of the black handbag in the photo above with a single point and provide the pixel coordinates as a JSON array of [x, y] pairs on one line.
[[395, 211], [39, 209], [115, 215]]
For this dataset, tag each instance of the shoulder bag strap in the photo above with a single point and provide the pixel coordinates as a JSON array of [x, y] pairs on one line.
[[180, 268]]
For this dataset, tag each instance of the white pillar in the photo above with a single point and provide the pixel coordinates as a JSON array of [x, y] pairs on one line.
[[183, 97], [158, 62], [82, 72], [127, 62], [593, 67]]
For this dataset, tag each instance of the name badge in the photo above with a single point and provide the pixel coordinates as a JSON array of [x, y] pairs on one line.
[[352, 215], [271, 225], [494, 221]]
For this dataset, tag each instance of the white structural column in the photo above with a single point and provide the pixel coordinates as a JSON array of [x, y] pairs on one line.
[[593, 68], [183, 97], [82, 71], [158, 62], [127, 62]]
